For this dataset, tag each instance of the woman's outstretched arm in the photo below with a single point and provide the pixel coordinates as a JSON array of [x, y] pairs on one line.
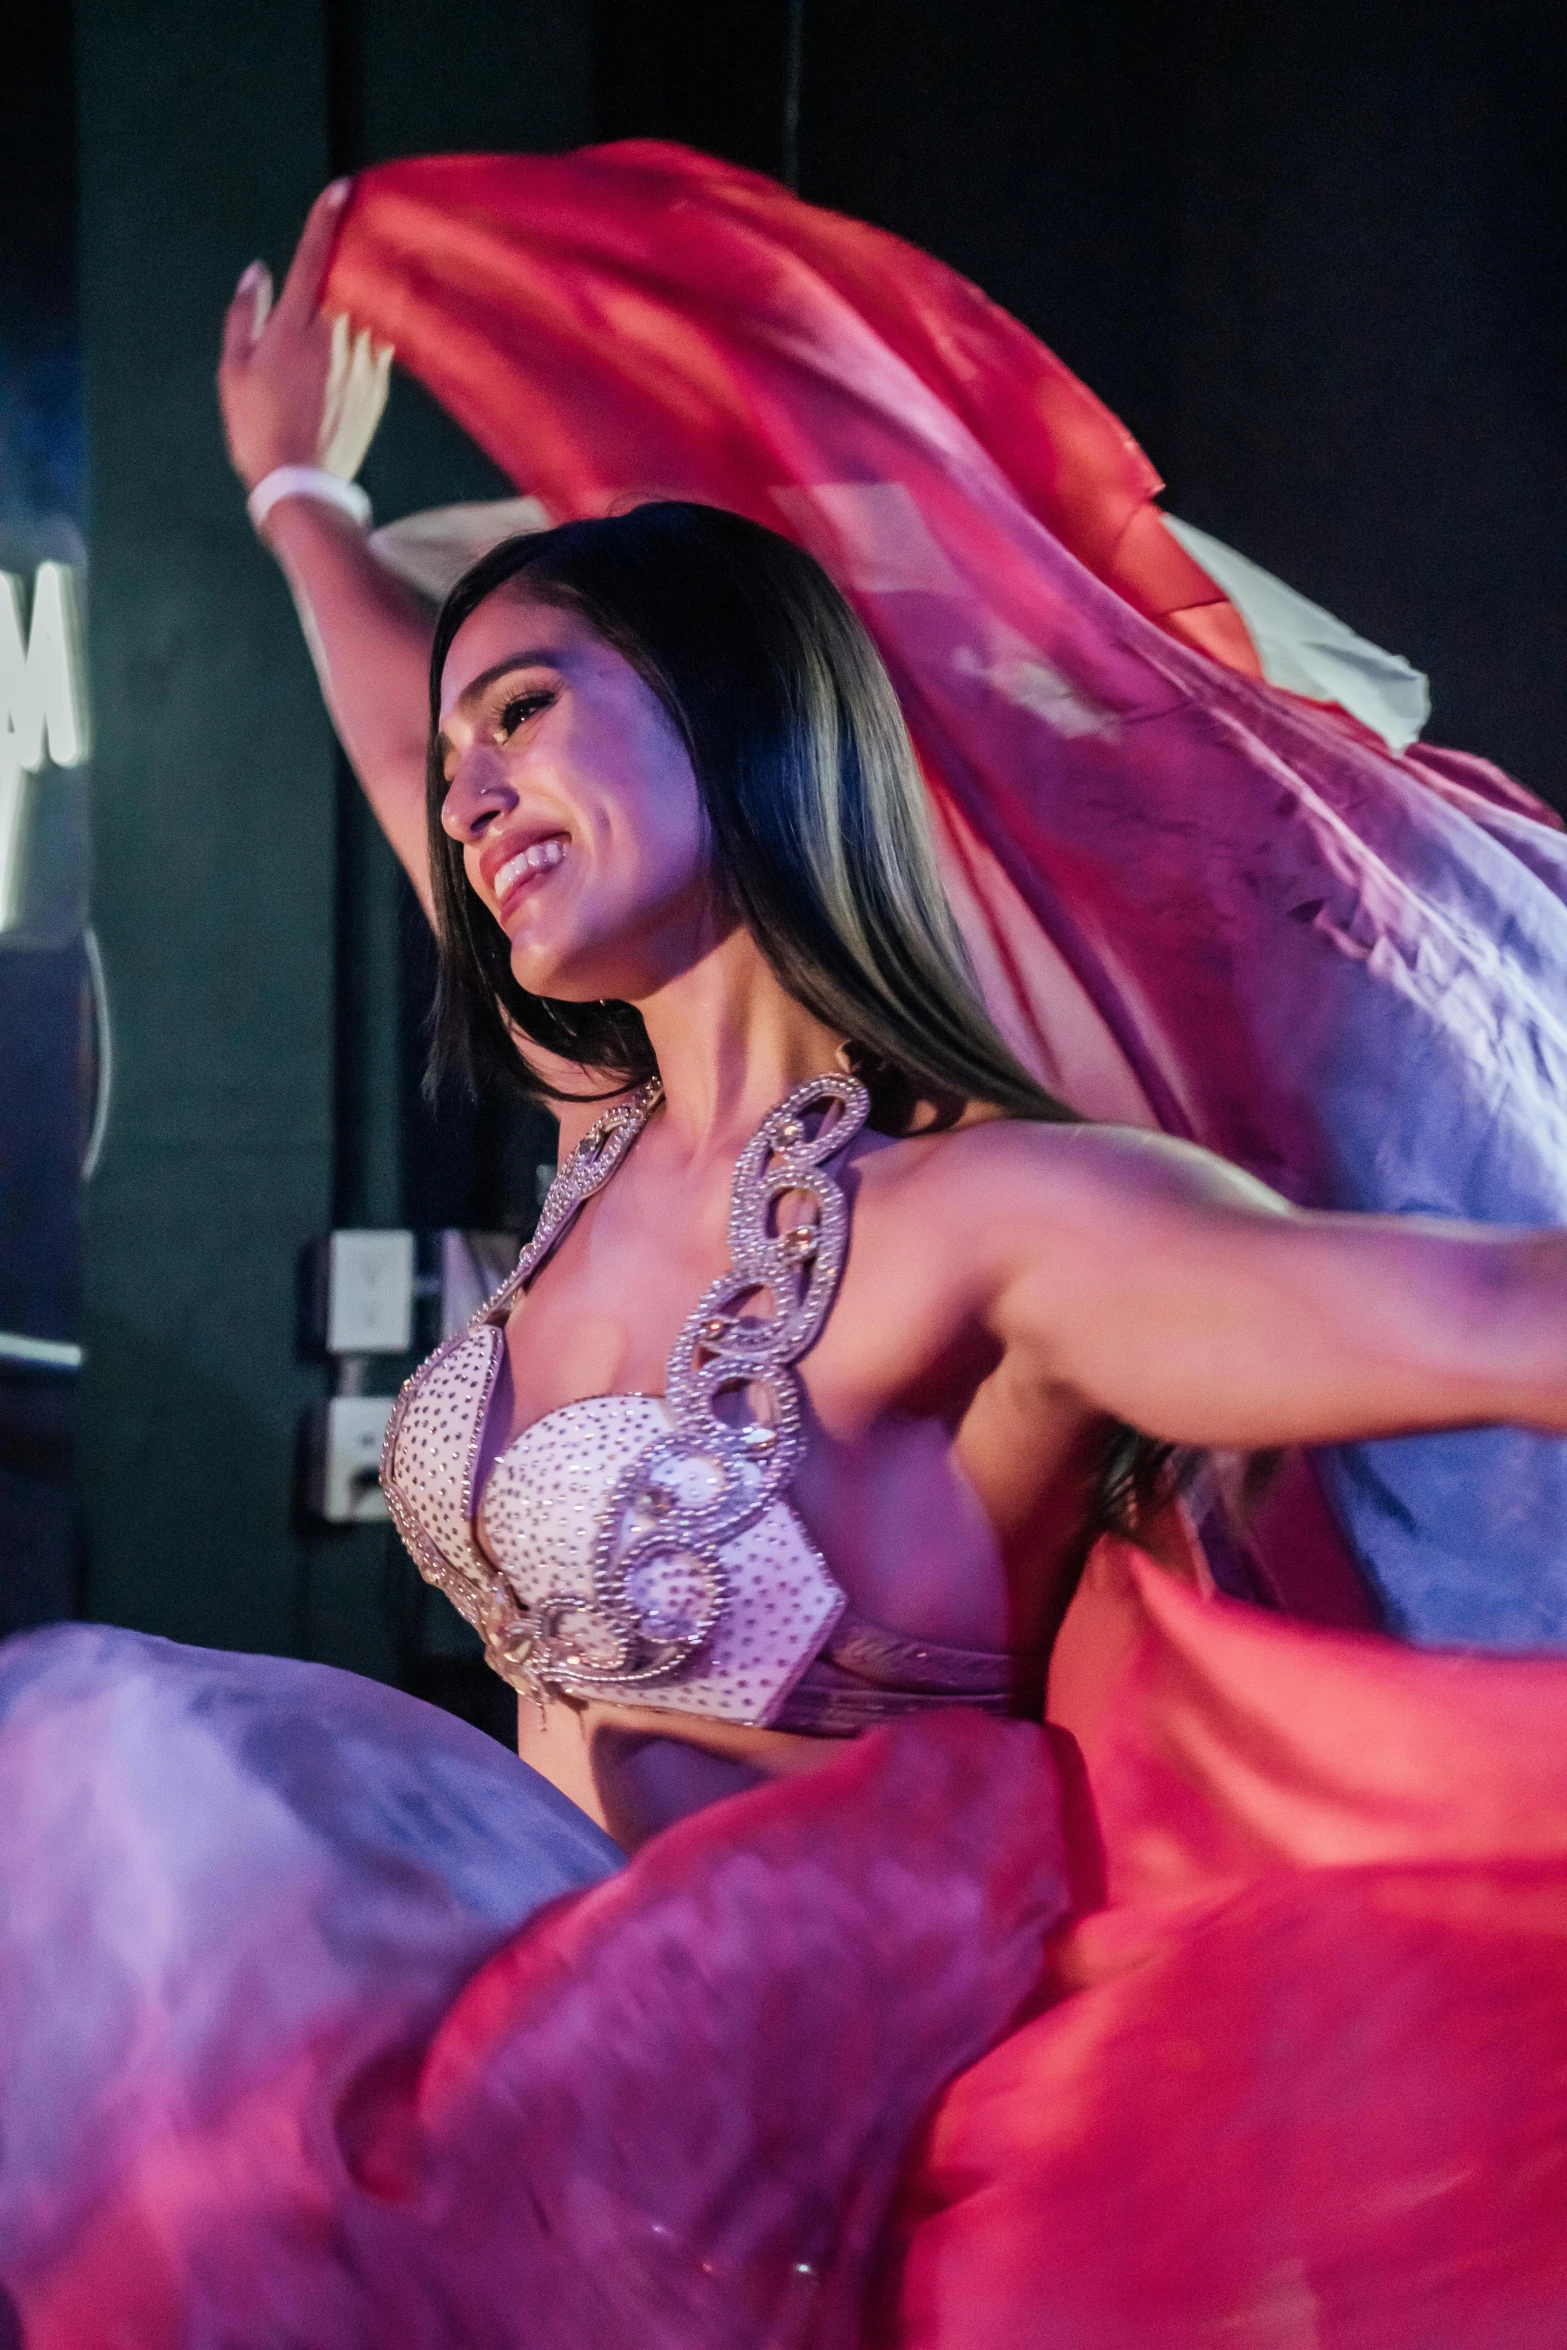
[[1152, 1281], [285, 403]]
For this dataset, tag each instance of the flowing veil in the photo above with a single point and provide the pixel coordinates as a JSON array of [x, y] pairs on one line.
[[1193, 898]]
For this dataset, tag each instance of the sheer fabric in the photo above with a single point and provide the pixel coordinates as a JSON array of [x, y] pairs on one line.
[[1232, 2015], [1192, 898]]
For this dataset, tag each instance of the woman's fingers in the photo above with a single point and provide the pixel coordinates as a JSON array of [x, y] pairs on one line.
[[294, 388], [247, 313], [356, 397], [307, 271]]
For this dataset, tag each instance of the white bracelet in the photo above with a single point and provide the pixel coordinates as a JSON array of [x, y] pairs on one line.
[[307, 481]]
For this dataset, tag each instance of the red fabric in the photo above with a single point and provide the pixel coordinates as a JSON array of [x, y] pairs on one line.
[[1233, 2018], [577, 316], [1306, 2078], [1192, 901], [641, 320], [1299, 2078], [670, 2112], [580, 257], [708, 2069]]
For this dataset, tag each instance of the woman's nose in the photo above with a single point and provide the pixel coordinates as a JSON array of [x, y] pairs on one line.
[[477, 794]]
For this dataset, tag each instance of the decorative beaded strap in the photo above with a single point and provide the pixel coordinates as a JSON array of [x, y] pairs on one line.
[[586, 1171], [658, 1583], [456, 1567]]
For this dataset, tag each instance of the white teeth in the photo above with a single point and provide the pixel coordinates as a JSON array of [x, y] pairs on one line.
[[537, 859]]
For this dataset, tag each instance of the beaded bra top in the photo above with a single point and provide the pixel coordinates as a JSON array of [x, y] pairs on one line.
[[639, 1548]]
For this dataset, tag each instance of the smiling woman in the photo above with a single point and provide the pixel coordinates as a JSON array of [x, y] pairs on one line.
[[713, 671], [844, 2000]]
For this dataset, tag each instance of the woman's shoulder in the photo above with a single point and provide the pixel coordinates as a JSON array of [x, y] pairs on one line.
[[991, 1167]]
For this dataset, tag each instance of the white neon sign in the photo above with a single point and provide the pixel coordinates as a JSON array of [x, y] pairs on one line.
[[43, 708]]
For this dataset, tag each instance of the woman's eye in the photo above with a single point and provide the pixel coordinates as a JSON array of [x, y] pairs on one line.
[[514, 713]]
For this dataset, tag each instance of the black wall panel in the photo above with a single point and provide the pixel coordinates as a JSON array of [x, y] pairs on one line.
[[254, 927], [203, 135], [1313, 257], [1370, 339], [44, 1080]]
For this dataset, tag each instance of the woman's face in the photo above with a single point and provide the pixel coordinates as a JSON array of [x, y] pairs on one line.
[[575, 803]]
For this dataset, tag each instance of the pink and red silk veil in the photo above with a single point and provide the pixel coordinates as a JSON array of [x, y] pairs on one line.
[[1193, 900]]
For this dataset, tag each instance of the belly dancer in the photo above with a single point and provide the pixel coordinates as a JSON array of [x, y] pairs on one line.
[[801, 1986]]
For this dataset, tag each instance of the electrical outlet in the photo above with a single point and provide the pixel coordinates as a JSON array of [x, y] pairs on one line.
[[343, 1450]]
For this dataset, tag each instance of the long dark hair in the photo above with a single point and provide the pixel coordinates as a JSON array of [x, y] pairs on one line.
[[817, 821]]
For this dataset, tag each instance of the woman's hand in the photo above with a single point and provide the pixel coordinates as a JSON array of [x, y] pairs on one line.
[[297, 388]]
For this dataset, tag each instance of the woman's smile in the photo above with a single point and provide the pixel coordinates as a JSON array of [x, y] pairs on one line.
[[527, 869]]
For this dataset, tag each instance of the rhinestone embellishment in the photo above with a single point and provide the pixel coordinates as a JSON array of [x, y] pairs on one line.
[[658, 1586], [716, 1472]]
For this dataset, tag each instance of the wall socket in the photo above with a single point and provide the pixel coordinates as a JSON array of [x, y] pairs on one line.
[[343, 1456]]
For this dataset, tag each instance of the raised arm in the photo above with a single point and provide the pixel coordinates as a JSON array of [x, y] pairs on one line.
[[296, 391], [1154, 1282]]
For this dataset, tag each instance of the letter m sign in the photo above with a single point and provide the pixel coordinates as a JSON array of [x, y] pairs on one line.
[[43, 718]]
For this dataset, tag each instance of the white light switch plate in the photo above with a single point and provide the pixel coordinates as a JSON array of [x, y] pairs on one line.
[[347, 1453], [370, 1293]]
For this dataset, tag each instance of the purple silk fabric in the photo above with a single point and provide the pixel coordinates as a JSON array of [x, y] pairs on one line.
[[328, 2024], [219, 1874]]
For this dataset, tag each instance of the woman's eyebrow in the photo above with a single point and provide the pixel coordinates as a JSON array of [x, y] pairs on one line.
[[535, 657]]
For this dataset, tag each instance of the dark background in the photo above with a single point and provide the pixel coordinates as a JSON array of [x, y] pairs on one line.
[[1311, 255], [42, 972]]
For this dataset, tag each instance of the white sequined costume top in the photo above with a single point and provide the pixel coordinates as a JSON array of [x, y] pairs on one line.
[[640, 1547]]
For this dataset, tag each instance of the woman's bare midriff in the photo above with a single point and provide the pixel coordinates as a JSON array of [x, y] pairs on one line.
[[635, 1769]]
